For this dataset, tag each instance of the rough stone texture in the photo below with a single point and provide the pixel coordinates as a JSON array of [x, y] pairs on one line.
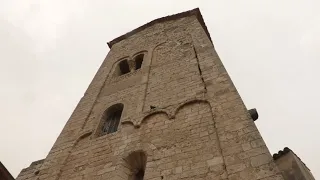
[[200, 128], [293, 168], [31, 171]]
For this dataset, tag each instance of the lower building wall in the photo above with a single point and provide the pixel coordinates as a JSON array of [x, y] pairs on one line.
[[183, 147], [186, 146]]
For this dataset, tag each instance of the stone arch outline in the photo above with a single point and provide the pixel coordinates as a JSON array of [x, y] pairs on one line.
[[99, 120], [145, 52], [115, 64], [172, 111], [129, 122], [135, 59], [209, 103], [127, 62], [160, 111], [149, 63], [106, 79], [82, 136], [123, 165], [136, 163], [191, 101], [142, 146]]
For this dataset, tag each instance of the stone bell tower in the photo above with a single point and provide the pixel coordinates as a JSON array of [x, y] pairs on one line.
[[161, 106]]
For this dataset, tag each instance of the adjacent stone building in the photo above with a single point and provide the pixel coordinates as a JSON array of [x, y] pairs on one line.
[[291, 165], [161, 106]]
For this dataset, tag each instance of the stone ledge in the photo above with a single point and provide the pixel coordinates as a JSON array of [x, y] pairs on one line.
[[192, 12]]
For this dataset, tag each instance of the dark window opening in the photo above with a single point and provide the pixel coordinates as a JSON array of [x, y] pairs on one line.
[[124, 67], [139, 60], [136, 161], [112, 119], [139, 175]]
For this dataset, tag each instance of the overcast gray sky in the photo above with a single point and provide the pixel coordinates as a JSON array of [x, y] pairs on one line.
[[51, 49]]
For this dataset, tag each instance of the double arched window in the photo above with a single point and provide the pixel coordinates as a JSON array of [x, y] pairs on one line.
[[138, 61], [111, 118], [125, 66], [122, 68]]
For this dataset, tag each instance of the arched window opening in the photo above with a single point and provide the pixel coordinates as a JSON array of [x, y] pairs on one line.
[[137, 164], [123, 67], [111, 118], [138, 60]]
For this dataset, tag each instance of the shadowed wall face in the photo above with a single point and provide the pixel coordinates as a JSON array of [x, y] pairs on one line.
[[181, 118], [4, 173]]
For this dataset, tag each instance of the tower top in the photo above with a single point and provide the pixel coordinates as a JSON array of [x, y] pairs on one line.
[[194, 12]]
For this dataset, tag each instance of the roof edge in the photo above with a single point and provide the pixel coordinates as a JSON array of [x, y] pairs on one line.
[[285, 151], [192, 12]]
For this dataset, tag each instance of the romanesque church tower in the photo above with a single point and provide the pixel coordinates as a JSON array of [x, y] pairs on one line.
[[161, 107]]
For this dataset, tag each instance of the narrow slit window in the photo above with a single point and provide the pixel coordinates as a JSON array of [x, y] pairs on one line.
[[124, 67], [138, 61], [136, 161], [112, 119]]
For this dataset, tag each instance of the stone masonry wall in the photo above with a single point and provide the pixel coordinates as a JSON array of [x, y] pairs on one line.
[[293, 168], [200, 128]]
